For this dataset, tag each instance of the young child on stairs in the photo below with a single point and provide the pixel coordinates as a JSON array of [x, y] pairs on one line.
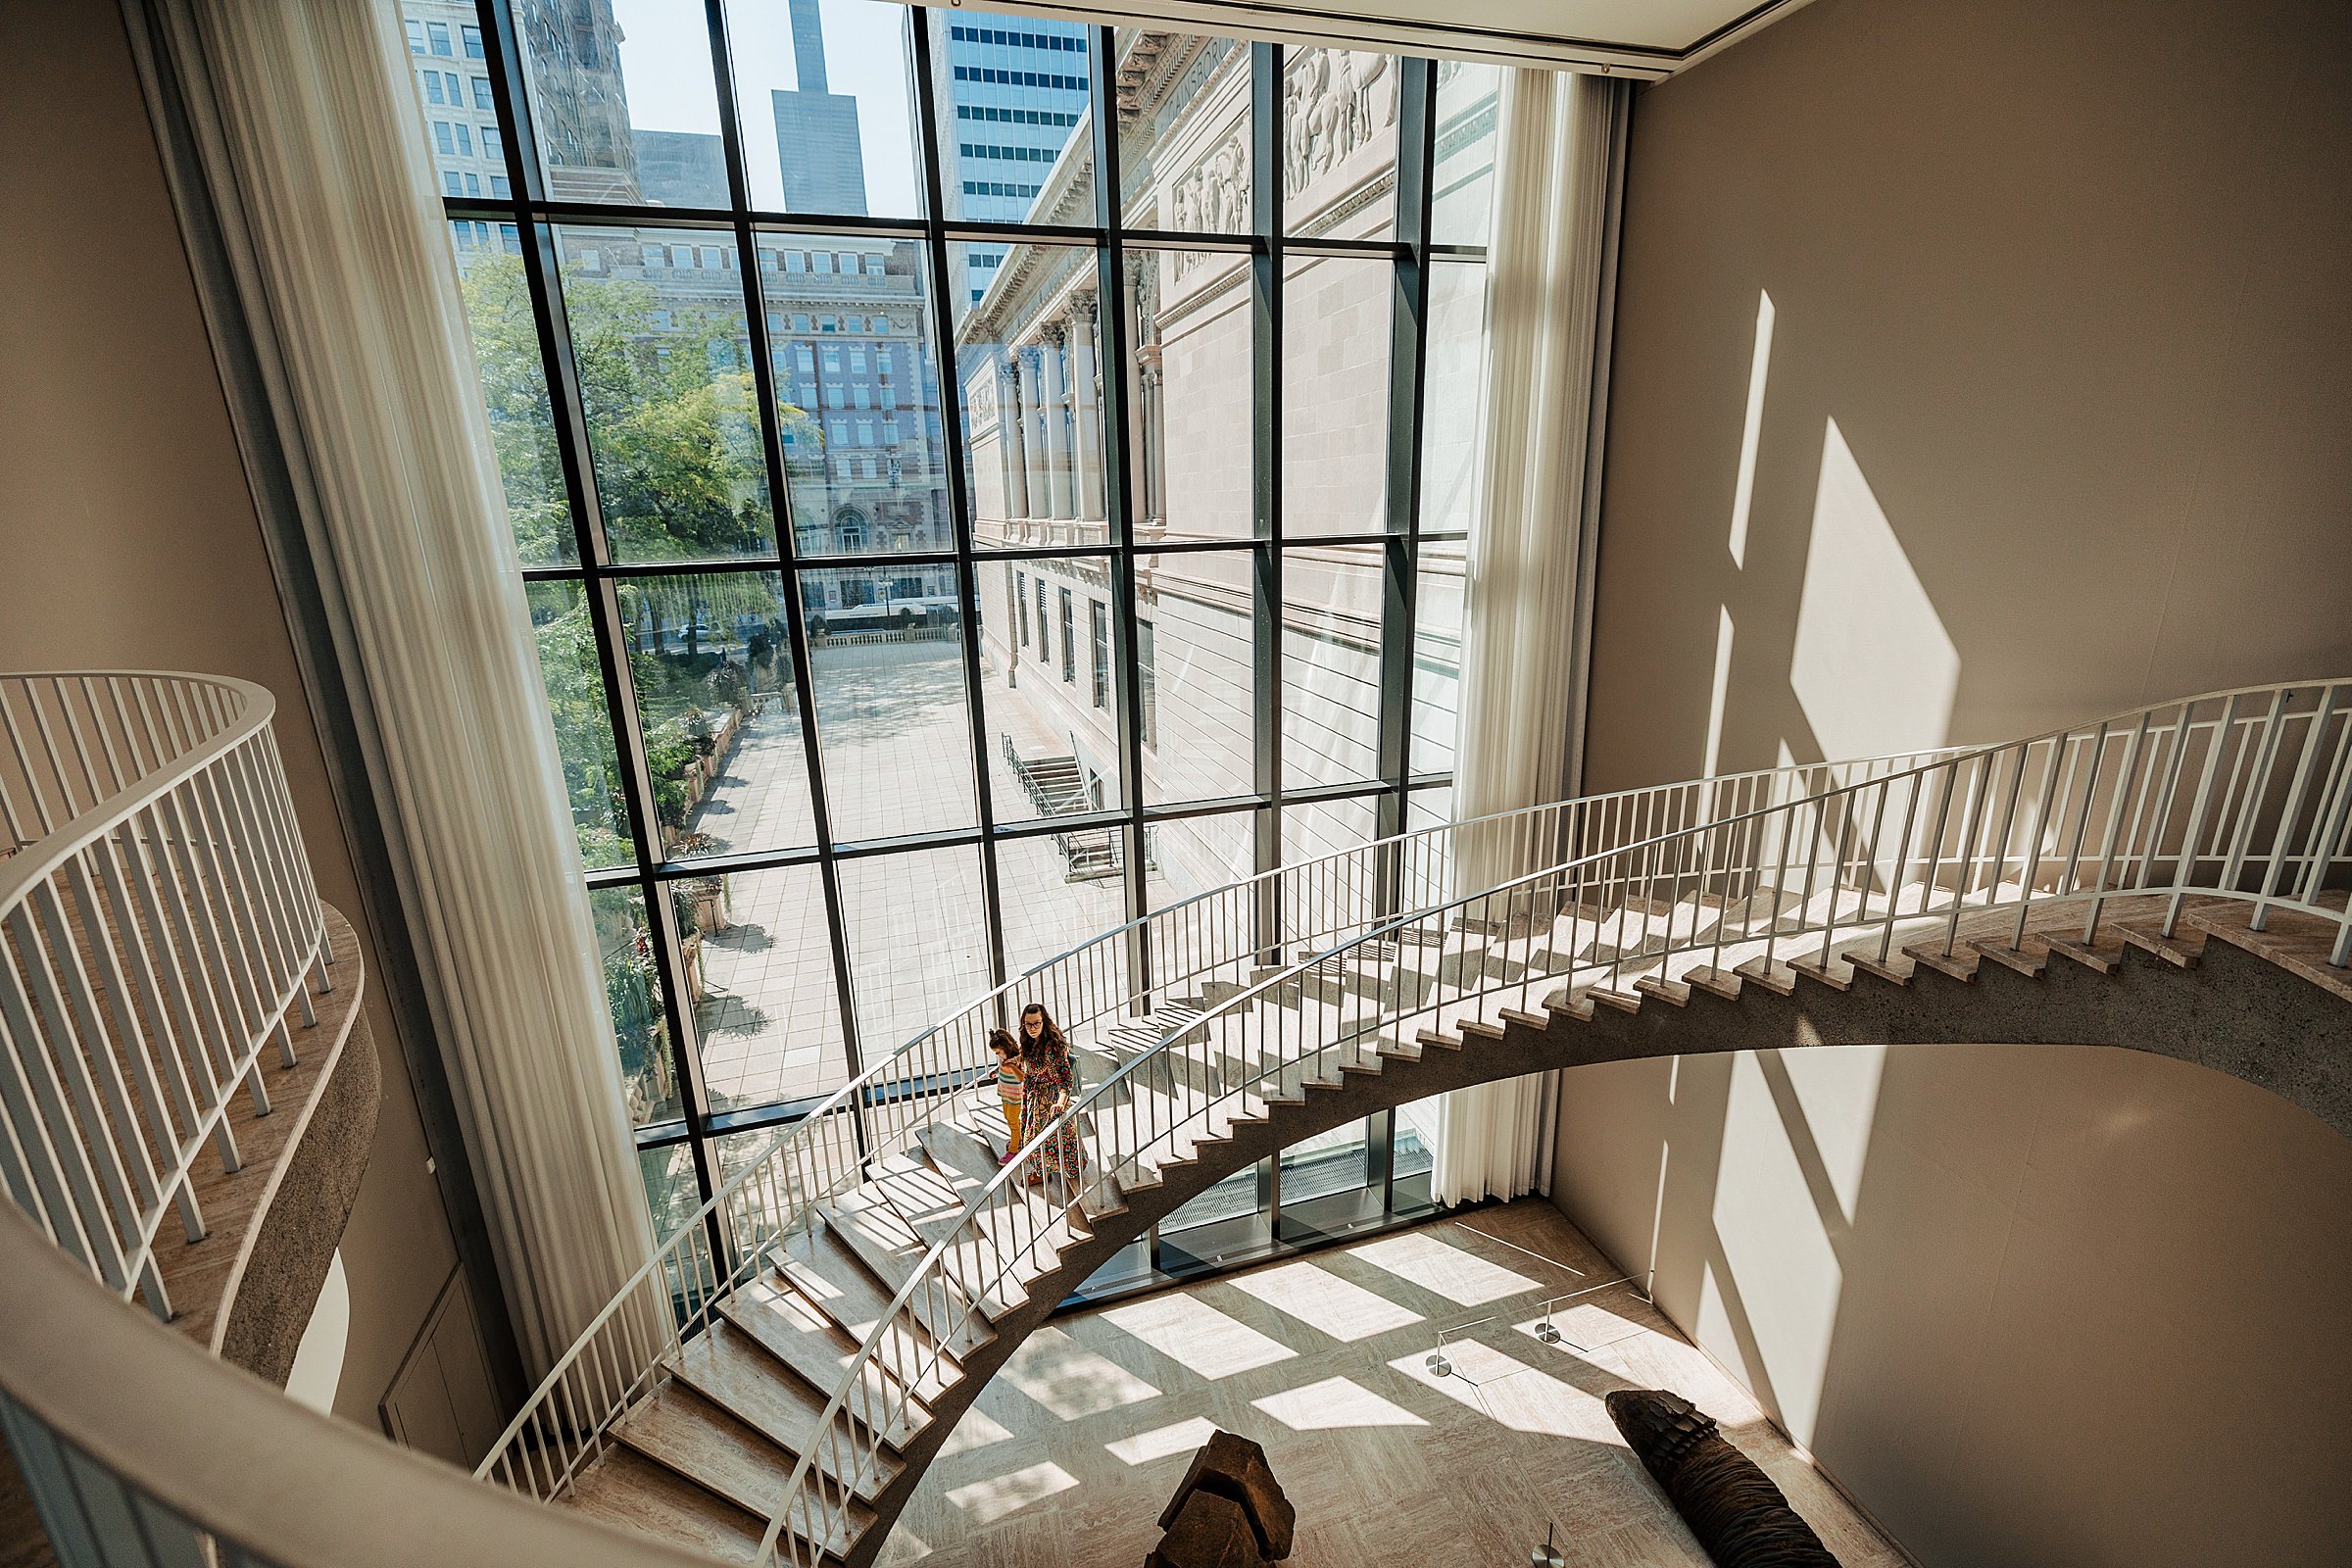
[[1010, 1071]]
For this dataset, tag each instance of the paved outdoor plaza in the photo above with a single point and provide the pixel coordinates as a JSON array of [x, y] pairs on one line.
[[898, 760]]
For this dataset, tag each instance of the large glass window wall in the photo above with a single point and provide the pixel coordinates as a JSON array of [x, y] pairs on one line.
[[978, 479]]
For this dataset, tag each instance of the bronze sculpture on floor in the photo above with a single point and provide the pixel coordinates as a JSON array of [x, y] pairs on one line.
[[1730, 1506], [1228, 1511]]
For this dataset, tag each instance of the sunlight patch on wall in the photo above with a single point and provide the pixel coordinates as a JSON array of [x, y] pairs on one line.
[[1721, 693], [1781, 1209], [1872, 667], [1751, 430]]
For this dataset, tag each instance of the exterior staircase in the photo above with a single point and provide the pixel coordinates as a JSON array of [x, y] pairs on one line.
[[2170, 880]]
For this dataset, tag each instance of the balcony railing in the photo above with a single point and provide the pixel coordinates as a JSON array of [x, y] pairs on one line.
[[161, 925]]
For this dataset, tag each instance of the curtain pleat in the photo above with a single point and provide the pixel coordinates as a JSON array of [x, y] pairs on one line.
[[311, 136], [1553, 187]]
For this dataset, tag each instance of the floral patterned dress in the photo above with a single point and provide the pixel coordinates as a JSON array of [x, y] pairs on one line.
[[1042, 1091]]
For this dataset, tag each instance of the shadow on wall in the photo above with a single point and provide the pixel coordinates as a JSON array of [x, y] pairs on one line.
[[1869, 669], [2028, 1304]]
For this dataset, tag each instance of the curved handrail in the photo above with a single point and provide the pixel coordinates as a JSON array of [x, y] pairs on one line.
[[2307, 808], [140, 1447], [1218, 930], [163, 922]]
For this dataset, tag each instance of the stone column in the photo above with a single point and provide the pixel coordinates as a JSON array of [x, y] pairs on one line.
[[1008, 440], [1054, 392], [1086, 411], [1033, 435]]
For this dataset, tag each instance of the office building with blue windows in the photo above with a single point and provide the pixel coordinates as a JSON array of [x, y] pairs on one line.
[[1010, 89]]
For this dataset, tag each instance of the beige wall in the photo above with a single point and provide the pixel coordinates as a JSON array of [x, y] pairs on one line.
[[127, 536], [2068, 281], [2028, 1305], [2052, 423]]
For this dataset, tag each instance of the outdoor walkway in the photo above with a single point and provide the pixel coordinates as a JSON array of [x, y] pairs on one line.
[[897, 759]]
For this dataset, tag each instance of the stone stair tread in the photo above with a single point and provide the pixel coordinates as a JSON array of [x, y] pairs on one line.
[[1960, 963], [632, 1493], [1817, 971], [726, 1366], [889, 1248], [1883, 972], [2098, 959], [827, 1268], [2149, 937], [790, 1328], [2024, 961], [1673, 991], [682, 1431]]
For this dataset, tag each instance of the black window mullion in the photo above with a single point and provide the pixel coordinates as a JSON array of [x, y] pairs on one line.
[[1408, 374], [959, 514], [1112, 290], [1265, 466]]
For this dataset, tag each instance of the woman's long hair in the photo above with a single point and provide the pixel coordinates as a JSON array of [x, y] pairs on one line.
[[1048, 1046]]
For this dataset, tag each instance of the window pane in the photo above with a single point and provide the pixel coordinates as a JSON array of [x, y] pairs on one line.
[[1413, 1153], [859, 387], [1437, 655], [1336, 1161], [1190, 394], [666, 379], [625, 106], [892, 721], [1059, 891], [759, 976], [1013, 124], [1028, 348], [583, 722], [1335, 385], [513, 377], [1327, 908], [1050, 752], [670, 1195], [1233, 1199], [1195, 856], [827, 125], [1331, 629], [633, 993], [1202, 658], [1462, 190], [919, 944], [712, 663], [1339, 143], [460, 118], [1454, 400], [1184, 160]]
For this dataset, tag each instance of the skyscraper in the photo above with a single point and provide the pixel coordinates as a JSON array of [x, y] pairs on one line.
[[1018, 87], [816, 128]]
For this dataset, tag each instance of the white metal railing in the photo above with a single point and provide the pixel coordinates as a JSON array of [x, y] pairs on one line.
[[2242, 795], [1107, 987], [158, 923]]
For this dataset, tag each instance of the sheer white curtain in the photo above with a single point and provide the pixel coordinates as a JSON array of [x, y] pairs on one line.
[[1556, 169], [305, 117]]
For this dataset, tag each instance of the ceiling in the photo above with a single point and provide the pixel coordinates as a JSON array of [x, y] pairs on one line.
[[1647, 39]]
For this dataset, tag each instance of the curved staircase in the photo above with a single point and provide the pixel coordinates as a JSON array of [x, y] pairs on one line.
[[2171, 879]]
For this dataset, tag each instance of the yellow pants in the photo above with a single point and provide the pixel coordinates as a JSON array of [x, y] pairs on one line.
[[1012, 1122]]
